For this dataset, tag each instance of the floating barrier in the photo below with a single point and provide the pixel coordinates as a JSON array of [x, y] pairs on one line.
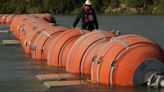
[[85, 67], [47, 17], [9, 19], [39, 45], [0, 18], [15, 25], [81, 46], [61, 46], [49, 42], [129, 56], [31, 24], [109, 59], [30, 37], [3, 18]]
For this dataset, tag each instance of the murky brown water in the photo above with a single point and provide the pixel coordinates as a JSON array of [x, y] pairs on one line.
[[17, 72]]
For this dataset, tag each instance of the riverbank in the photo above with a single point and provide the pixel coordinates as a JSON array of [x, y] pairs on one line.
[[74, 6]]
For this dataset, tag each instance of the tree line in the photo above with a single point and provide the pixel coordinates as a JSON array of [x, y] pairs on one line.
[[73, 6]]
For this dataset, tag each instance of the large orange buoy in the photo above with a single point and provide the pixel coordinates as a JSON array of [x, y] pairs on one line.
[[26, 26], [123, 58], [47, 17], [127, 60], [3, 18], [81, 46], [29, 32], [30, 37], [89, 56], [30, 26], [39, 44], [0, 18], [10, 18], [21, 20], [48, 44], [65, 51], [59, 45], [15, 25]]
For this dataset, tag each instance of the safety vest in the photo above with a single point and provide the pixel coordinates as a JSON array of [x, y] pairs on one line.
[[88, 16]]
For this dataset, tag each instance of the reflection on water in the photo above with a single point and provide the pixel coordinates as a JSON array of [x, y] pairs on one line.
[[100, 88]]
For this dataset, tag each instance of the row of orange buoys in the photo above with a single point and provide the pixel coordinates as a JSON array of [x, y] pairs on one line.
[[109, 59]]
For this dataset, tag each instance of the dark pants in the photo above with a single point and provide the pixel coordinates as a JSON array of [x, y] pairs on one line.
[[88, 26]]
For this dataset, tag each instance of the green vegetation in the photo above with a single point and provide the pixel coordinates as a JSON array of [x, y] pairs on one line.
[[73, 6]]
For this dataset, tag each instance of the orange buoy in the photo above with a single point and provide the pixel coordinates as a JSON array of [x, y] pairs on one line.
[[0, 18], [29, 32], [39, 44], [122, 56], [30, 26], [47, 17], [58, 46], [10, 18], [3, 18], [65, 51], [48, 44], [21, 20], [15, 25], [25, 27], [28, 39], [81, 46], [89, 56], [127, 60]]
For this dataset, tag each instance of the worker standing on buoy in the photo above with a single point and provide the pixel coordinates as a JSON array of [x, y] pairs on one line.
[[88, 15]]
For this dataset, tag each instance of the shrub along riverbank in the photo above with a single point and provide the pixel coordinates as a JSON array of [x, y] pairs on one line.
[[73, 6]]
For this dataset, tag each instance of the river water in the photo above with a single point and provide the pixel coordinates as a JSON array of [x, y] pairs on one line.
[[151, 26], [17, 72]]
